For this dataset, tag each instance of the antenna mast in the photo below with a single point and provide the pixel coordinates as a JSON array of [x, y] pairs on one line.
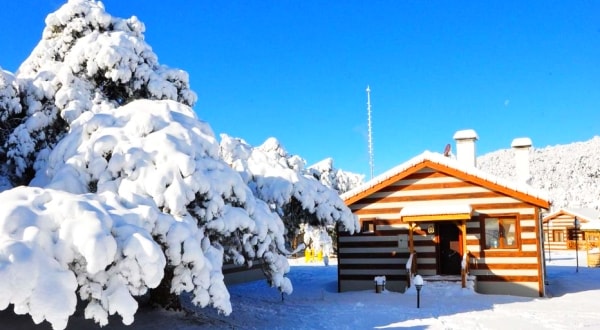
[[371, 163]]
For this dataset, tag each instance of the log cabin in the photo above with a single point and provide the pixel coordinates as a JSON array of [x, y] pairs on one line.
[[439, 215], [560, 232]]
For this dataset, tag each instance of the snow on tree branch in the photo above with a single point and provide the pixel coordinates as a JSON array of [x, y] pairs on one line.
[[157, 163], [283, 182], [87, 60]]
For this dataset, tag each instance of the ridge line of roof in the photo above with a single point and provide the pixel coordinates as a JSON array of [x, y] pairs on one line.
[[452, 163], [581, 213]]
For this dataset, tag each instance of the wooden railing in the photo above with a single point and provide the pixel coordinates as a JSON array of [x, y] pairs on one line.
[[583, 245], [411, 268], [464, 269]]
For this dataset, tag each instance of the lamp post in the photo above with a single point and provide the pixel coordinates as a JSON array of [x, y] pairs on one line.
[[418, 285], [576, 226], [548, 236]]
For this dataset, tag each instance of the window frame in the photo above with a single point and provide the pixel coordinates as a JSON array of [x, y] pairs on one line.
[[368, 226], [558, 235], [501, 218]]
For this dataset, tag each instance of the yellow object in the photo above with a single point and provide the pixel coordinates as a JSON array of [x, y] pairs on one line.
[[308, 255], [320, 255]]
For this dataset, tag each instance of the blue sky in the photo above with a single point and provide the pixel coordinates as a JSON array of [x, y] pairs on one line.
[[297, 70]]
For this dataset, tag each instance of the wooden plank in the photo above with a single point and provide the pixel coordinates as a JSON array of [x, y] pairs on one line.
[[426, 186], [373, 266], [504, 253], [434, 197], [369, 277], [507, 265], [401, 255], [389, 210], [496, 278]]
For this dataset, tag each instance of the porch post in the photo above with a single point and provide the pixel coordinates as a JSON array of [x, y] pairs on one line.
[[463, 229], [411, 244]]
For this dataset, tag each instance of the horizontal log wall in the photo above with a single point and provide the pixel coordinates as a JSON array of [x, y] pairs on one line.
[[562, 222], [361, 257], [364, 256]]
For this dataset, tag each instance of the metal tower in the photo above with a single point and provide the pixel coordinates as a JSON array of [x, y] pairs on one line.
[[371, 163]]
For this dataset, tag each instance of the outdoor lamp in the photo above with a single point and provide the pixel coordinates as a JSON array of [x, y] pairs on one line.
[[576, 226], [418, 285]]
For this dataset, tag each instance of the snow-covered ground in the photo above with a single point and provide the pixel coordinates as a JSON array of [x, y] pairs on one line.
[[316, 304]]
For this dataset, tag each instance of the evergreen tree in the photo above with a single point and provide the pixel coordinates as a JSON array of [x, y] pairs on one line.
[[283, 182], [340, 180], [128, 192], [87, 60], [11, 114]]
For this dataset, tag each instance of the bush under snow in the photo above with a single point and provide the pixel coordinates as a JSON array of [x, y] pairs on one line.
[[126, 192]]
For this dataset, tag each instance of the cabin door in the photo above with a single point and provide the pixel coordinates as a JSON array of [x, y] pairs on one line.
[[448, 248]]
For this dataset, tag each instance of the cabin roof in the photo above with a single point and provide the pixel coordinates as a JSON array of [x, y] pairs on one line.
[[592, 225], [583, 214], [449, 165]]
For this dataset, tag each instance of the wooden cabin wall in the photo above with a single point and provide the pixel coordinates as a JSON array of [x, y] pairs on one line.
[[558, 233], [235, 274], [511, 271], [361, 257]]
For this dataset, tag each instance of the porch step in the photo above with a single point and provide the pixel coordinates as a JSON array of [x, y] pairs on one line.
[[444, 285], [451, 280], [446, 278]]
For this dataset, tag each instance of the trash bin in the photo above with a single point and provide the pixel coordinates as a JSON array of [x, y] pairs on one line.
[[379, 284]]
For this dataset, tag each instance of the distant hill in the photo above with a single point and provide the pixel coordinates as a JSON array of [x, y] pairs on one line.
[[570, 173]]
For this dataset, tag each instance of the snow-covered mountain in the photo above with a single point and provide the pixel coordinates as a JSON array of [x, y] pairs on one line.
[[570, 173]]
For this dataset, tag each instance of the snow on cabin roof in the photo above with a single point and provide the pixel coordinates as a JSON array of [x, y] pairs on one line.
[[438, 209], [585, 214], [592, 225], [449, 162]]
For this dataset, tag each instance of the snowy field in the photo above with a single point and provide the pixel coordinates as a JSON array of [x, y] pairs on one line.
[[315, 304]]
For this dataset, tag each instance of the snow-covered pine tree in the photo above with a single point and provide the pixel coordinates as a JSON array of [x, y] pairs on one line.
[[340, 180], [11, 116], [133, 194], [283, 182], [157, 154], [87, 60]]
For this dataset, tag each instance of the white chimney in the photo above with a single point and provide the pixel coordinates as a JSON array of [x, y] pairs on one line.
[[465, 147], [521, 147]]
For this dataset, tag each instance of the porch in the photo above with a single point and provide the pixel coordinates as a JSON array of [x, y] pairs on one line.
[[448, 226]]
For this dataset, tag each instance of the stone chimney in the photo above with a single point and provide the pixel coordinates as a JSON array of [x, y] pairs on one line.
[[521, 147], [465, 147]]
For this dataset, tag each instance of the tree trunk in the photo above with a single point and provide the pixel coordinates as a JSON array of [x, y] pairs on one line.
[[161, 296]]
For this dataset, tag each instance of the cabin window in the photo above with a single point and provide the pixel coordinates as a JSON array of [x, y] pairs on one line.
[[368, 227], [558, 236], [501, 233]]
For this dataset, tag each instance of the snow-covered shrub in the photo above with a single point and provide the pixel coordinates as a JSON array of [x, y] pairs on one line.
[[158, 157]]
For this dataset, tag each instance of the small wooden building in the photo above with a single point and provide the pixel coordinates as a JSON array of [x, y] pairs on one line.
[[436, 215], [591, 231], [559, 228]]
